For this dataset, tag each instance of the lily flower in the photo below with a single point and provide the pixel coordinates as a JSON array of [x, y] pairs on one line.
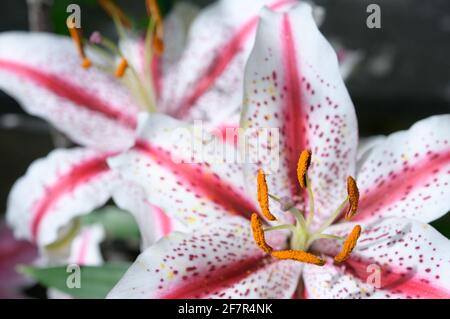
[[93, 92], [321, 224]]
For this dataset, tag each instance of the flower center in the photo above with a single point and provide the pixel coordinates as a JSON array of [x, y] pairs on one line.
[[302, 236], [141, 85]]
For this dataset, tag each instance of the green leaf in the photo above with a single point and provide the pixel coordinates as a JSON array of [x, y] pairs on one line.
[[95, 282], [118, 223]]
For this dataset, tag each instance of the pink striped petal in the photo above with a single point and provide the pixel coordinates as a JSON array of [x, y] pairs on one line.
[[153, 222], [187, 179], [55, 189], [293, 83], [413, 261], [13, 253], [207, 82], [408, 175], [43, 73], [85, 249], [217, 262]]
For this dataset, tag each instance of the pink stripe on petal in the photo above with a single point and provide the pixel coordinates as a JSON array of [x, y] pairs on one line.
[[397, 281], [81, 259], [295, 122], [229, 134], [203, 182], [217, 280], [63, 88], [398, 185], [163, 221], [221, 62], [66, 184]]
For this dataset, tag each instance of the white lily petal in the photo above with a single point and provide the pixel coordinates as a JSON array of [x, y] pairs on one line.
[[408, 175], [293, 84], [408, 259], [184, 172], [217, 262], [55, 189], [42, 71]]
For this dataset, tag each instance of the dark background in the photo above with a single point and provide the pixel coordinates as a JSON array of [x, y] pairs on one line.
[[412, 46]]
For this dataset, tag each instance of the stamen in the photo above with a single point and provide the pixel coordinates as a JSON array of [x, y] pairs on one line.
[[258, 234], [353, 197], [121, 68], [75, 34], [349, 244], [298, 255], [302, 167], [158, 35], [115, 12], [263, 196]]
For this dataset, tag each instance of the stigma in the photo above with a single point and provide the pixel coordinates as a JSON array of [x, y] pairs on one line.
[[302, 237]]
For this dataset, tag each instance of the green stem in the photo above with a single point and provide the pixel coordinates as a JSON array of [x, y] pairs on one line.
[[311, 201], [275, 198], [319, 236], [333, 217], [280, 227]]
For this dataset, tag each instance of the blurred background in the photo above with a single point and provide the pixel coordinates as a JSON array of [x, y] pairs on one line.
[[403, 77]]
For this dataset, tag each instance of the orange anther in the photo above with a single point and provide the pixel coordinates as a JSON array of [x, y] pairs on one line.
[[349, 244], [258, 234], [263, 196], [299, 255], [303, 164], [353, 197], [121, 68]]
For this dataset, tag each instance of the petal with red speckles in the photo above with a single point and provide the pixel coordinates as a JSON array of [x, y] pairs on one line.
[[216, 262], [194, 178], [292, 83], [55, 189], [408, 175], [43, 73], [411, 258], [206, 83]]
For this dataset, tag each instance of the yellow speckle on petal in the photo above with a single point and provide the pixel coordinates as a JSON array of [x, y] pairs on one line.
[[191, 220]]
